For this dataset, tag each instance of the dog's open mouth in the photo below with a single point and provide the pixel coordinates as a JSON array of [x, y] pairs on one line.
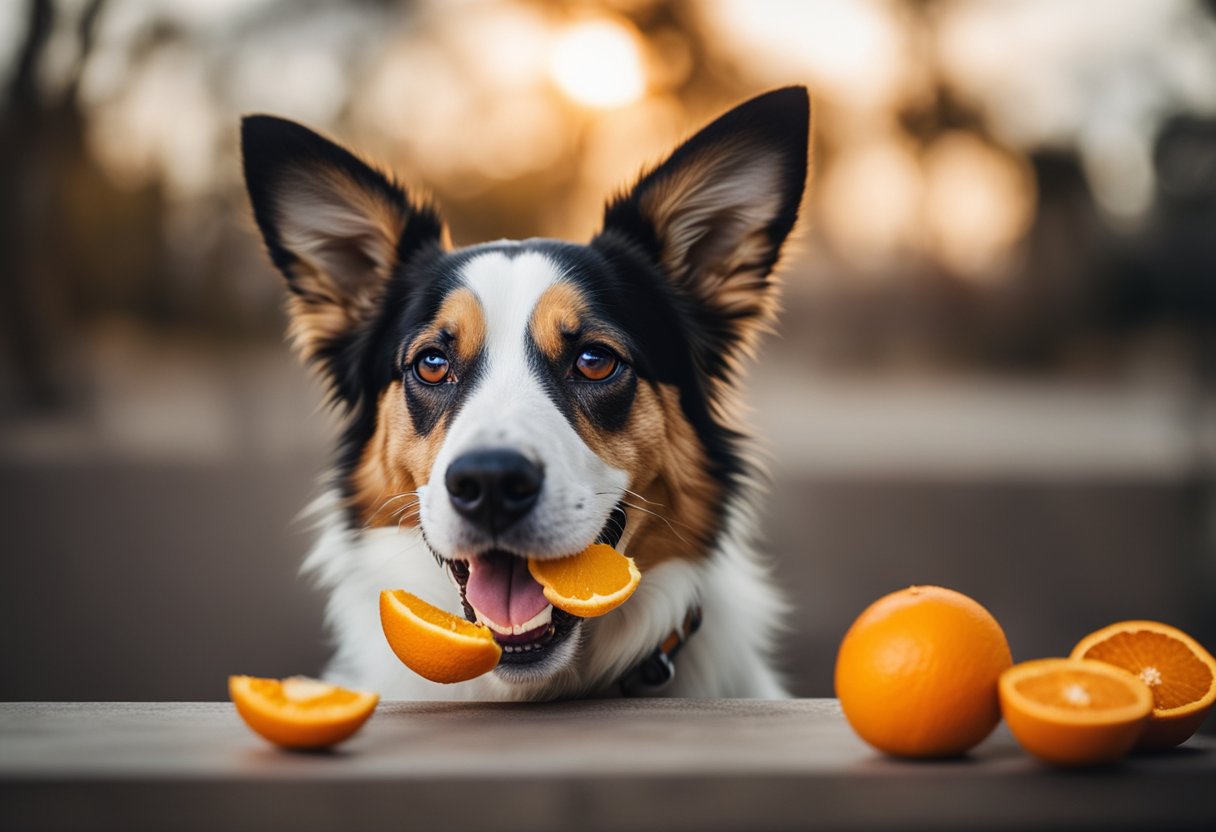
[[497, 590]]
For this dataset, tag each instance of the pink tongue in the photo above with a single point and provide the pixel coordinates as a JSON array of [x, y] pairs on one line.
[[503, 590]]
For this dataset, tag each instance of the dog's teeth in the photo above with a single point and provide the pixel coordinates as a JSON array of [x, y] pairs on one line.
[[539, 620], [498, 628]]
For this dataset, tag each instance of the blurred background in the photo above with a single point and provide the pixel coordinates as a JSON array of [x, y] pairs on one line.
[[996, 368]]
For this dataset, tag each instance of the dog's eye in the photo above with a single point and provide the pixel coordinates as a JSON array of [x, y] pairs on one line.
[[596, 364], [432, 367]]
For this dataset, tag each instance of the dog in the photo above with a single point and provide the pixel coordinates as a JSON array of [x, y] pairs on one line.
[[518, 400]]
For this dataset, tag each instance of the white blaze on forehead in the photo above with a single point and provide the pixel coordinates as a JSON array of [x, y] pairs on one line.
[[509, 399], [510, 408], [509, 289]]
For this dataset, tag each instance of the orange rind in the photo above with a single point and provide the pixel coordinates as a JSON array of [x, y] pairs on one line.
[[917, 672], [433, 643], [299, 712], [1177, 669], [1074, 712], [592, 583]]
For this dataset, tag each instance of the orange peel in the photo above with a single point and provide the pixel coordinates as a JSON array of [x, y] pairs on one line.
[[917, 672], [1074, 712], [299, 712], [592, 583], [1177, 669], [433, 643]]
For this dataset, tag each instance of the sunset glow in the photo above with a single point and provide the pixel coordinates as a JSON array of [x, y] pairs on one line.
[[597, 64]]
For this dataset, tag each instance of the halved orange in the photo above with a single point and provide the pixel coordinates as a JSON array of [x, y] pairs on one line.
[[433, 643], [299, 712], [594, 582], [1178, 670], [1074, 712]]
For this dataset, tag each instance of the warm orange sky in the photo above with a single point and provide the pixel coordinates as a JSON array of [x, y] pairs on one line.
[[466, 96]]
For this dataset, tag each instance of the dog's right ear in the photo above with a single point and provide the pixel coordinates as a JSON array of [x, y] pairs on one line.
[[336, 228], [715, 215]]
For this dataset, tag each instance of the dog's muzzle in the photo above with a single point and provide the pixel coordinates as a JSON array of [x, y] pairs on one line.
[[498, 591]]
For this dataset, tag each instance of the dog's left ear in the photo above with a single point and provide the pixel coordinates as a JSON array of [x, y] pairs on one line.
[[715, 214]]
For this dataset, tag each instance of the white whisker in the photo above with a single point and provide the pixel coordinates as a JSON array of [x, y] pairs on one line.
[[407, 507], [661, 517], [384, 504], [643, 499]]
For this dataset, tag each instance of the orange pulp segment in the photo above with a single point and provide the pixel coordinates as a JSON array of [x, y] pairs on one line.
[[299, 712], [433, 643], [1177, 669], [1074, 712], [594, 582]]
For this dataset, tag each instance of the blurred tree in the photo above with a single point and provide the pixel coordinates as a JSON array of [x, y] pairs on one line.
[[67, 234], [29, 320]]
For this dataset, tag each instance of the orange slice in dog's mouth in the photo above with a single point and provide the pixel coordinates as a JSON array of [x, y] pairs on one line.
[[522, 601], [435, 644], [592, 583]]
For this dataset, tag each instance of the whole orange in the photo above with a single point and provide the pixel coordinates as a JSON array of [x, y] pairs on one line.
[[917, 672]]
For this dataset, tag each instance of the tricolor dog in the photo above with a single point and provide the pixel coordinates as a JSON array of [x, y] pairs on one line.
[[525, 399]]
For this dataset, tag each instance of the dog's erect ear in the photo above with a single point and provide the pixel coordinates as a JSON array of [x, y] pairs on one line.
[[716, 213], [335, 227]]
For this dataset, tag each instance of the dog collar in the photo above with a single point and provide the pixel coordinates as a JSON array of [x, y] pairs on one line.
[[655, 672]]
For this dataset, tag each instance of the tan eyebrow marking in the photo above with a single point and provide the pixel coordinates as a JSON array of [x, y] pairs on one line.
[[558, 313], [462, 318]]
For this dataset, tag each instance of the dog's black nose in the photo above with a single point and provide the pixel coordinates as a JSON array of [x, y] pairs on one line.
[[493, 488]]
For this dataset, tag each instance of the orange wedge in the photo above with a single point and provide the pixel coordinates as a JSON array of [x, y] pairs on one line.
[[435, 644], [1074, 712], [300, 712], [1180, 673], [594, 582]]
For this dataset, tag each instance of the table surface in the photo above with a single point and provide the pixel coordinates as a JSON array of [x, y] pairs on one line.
[[699, 765]]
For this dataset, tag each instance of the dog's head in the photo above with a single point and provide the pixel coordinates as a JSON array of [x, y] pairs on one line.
[[526, 399]]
